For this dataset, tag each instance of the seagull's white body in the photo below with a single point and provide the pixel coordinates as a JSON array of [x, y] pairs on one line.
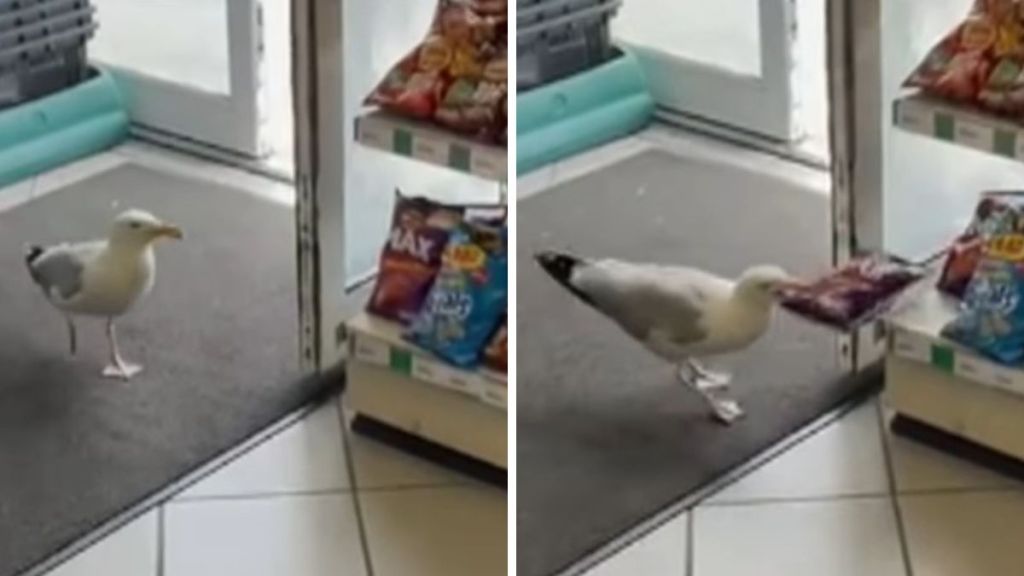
[[104, 278], [728, 320], [113, 278], [680, 314]]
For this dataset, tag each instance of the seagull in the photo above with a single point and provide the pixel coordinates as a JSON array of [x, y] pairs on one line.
[[102, 278], [679, 314]]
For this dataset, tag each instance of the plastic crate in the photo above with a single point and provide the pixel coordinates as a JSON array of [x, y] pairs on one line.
[[42, 47], [56, 26], [17, 13], [559, 38]]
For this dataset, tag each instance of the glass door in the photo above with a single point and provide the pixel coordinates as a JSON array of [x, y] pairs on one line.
[[729, 61], [190, 68]]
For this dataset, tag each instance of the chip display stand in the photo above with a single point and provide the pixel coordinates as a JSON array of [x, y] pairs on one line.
[[395, 392], [395, 387], [941, 393], [944, 394]]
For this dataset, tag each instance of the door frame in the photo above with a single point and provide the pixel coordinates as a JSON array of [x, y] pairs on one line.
[[318, 74], [695, 89], [231, 122], [856, 115]]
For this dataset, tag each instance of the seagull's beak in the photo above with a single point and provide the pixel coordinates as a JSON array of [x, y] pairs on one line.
[[169, 231], [786, 286]]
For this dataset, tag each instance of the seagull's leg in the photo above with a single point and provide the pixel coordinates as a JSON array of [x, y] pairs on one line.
[[118, 368], [725, 410], [713, 379], [72, 336]]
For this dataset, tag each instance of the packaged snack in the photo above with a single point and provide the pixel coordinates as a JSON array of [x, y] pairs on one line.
[[981, 61], [496, 354], [853, 294], [992, 319], [458, 76], [961, 262], [411, 257], [996, 213], [469, 297]]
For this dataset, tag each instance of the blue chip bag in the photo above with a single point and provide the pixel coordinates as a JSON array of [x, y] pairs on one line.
[[468, 298], [992, 318]]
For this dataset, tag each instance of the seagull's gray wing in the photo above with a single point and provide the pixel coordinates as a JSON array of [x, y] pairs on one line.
[[647, 300], [58, 271]]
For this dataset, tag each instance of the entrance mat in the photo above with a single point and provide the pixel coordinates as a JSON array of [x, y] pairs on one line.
[[217, 336], [607, 438]]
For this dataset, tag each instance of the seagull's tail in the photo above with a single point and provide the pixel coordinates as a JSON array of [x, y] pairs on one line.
[[561, 266], [32, 253]]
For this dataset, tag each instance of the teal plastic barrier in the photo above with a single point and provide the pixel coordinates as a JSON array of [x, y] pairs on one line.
[[581, 112], [43, 134]]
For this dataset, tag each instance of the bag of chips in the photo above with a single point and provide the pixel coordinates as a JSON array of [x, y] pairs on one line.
[[469, 297], [981, 62], [996, 213], [496, 354], [411, 257], [992, 318], [458, 76], [853, 294]]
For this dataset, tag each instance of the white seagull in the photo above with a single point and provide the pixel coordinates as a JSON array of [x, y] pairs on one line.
[[679, 314], [102, 278]]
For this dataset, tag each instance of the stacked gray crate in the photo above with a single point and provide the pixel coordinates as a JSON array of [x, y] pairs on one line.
[[558, 38], [42, 47]]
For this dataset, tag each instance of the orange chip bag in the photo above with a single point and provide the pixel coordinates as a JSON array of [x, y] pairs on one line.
[[458, 76]]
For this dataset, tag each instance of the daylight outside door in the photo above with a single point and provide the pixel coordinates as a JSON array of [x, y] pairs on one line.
[[190, 68], [729, 61]]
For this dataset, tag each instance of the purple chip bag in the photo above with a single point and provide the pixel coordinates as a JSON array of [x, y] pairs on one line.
[[854, 293]]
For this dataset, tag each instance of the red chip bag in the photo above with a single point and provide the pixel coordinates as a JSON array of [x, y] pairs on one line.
[[411, 257], [458, 76]]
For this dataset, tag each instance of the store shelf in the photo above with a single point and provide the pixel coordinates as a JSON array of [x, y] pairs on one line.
[[432, 145], [958, 125], [915, 336], [380, 343], [449, 419]]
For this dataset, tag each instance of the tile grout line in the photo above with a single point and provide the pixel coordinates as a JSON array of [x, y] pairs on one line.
[[769, 501], [691, 539], [923, 492], [161, 537], [313, 493], [894, 491], [364, 537]]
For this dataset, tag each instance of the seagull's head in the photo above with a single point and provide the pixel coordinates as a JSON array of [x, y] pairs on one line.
[[764, 283], [138, 228]]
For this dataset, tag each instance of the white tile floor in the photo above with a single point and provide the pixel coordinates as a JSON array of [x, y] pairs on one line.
[[313, 500], [852, 500]]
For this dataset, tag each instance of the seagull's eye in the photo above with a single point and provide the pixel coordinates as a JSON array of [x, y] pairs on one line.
[[135, 225]]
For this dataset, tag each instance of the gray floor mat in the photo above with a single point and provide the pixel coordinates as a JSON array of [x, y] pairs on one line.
[[218, 338], [606, 436]]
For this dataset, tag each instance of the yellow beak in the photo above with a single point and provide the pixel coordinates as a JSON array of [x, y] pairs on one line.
[[169, 231]]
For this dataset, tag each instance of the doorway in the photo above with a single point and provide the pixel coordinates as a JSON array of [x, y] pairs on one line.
[[210, 76], [752, 71]]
